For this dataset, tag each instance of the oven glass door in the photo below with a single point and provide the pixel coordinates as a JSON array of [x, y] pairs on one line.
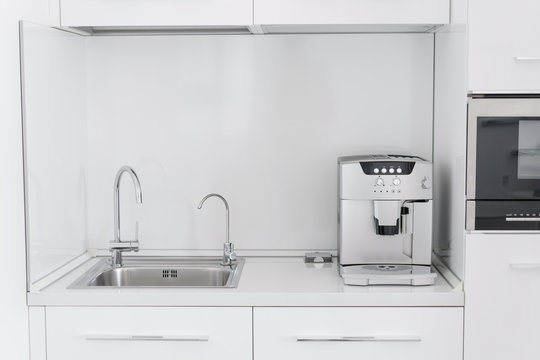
[[508, 158], [506, 149]]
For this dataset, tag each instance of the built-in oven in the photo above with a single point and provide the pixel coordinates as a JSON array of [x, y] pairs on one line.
[[503, 164]]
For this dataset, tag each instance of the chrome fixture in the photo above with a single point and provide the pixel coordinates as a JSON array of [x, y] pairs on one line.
[[228, 248], [117, 246]]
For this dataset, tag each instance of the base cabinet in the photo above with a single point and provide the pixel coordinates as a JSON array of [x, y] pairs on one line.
[[358, 333], [246, 333], [148, 333], [502, 315]]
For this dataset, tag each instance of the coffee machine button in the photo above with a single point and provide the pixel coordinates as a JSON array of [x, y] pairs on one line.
[[391, 171], [426, 183], [376, 170], [383, 170], [379, 182], [396, 181], [399, 170]]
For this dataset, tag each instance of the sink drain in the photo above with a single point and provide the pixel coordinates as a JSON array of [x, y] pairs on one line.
[[169, 273]]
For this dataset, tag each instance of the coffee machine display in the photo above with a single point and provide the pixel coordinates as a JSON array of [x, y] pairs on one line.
[[385, 220]]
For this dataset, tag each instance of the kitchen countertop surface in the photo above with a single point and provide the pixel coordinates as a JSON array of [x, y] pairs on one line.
[[265, 281]]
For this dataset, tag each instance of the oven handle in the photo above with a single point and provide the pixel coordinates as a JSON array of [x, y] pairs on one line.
[[523, 218]]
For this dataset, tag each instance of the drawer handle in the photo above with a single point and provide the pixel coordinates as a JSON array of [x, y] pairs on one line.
[[525, 265], [526, 58], [523, 218], [147, 338], [381, 338]]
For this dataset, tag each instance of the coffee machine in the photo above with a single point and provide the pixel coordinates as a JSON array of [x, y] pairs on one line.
[[385, 220]]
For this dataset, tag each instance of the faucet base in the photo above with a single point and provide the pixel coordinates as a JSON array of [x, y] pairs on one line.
[[116, 258]]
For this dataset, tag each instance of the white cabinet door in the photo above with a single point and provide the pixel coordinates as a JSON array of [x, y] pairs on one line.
[[351, 12], [504, 46], [156, 12], [149, 333], [358, 333], [502, 303]]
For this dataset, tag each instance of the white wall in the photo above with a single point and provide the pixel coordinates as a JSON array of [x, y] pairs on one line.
[[449, 145], [56, 144], [259, 119]]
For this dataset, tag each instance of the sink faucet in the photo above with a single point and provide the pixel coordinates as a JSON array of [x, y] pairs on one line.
[[228, 247], [117, 246]]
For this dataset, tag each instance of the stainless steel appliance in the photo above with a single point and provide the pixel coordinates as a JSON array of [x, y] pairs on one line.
[[385, 220], [503, 164]]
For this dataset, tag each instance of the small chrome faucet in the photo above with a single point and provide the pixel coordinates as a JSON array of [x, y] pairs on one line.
[[117, 246], [228, 247]]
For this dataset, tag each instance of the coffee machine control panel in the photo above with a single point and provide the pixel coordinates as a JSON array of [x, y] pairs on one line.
[[387, 168], [391, 177]]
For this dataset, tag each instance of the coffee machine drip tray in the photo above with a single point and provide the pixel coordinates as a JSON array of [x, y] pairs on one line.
[[387, 274]]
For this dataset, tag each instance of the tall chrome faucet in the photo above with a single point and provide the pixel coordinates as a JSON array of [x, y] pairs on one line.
[[228, 247], [117, 246]]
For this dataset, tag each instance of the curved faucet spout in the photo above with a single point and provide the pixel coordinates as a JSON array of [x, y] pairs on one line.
[[138, 196], [226, 211], [228, 248]]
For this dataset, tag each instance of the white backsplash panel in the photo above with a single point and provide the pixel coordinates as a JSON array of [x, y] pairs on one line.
[[55, 147], [258, 119]]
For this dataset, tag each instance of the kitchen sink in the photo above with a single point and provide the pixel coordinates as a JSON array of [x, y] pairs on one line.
[[162, 272]]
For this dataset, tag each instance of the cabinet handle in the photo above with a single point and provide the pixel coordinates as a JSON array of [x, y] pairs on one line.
[[526, 58], [406, 338], [525, 265], [147, 337]]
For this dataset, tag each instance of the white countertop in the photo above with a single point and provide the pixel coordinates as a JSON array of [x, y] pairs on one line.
[[265, 281]]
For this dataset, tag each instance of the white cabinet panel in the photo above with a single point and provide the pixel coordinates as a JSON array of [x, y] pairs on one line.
[[351, 12], [38, 338], [156, 12], [144, 333], [358, 333], [502, 286], [504, 46]]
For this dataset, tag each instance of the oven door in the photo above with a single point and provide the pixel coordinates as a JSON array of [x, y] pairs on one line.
[[503, 155]]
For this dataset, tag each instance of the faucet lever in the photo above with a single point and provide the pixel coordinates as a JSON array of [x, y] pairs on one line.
[[228, 251], [135, 243]]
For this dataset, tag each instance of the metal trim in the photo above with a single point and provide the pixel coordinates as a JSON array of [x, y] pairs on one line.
[[470, 215], [525, 106], [24, 155], [471, 149]]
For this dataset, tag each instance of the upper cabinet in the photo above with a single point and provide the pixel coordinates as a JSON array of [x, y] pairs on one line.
[[345, 12], [139, 13], [504, 46], [328, 15]]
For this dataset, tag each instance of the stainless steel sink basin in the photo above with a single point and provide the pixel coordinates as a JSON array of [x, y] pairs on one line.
[[161, 272]]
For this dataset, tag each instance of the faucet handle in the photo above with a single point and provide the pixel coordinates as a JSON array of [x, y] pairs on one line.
[[135, 243], [229, 254]]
